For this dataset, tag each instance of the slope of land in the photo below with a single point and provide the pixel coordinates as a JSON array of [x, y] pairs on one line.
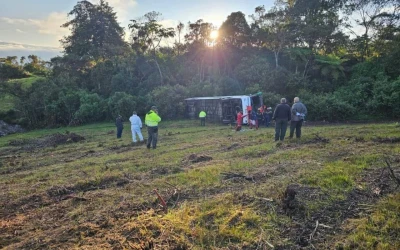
[[7, 101], [337, 187]]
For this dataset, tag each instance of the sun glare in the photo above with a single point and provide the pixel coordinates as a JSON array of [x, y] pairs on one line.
[[214, 34]]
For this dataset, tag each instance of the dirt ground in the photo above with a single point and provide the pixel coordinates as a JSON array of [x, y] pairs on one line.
[[110, 194]]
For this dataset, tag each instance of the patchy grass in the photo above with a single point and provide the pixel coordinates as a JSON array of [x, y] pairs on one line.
[[223, 189], [27, 82], [379, 230]]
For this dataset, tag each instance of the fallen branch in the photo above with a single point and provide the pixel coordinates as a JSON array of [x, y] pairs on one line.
[[325, 226], [263, 199], [315, 230], [162, 201], [269, 244], [261, 239], [392, 172]]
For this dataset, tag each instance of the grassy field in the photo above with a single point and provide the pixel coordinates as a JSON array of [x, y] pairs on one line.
[[223, 189]]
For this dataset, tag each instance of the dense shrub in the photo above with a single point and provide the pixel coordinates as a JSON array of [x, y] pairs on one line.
[[170, 100], [122, 104], [328, 107], [92, 108], [230, 86], [385, 98], [11, 71]]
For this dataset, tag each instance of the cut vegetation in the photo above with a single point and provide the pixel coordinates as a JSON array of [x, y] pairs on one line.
[[203, 188]]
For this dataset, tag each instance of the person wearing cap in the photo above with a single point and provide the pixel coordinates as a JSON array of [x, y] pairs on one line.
[[299, 111], [202, 116], [281, 117], [136, 126], [151, 120], [120, 126]]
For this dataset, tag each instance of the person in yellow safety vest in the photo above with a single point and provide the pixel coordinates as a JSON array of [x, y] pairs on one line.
[[202, 117], [151, 120]]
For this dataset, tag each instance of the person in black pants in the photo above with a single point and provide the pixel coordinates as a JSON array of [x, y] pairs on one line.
[[281, 117], [299, 111], [120, 126]]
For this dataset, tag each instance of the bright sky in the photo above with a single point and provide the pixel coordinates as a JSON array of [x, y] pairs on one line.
[[33, 26]]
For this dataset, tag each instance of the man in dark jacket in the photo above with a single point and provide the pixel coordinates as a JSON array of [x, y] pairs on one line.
[[120, 126], [281, 117], [299, 111]]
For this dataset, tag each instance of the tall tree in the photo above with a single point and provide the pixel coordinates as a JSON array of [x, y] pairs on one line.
[[147, 34], [95, 32], [271, 29], [235, 31], [315, 22], [179, 29], [199, 33], [375, 17]]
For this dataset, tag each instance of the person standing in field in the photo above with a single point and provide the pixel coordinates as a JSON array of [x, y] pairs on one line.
[[268, 116], [152, 119], [120, 126], [239, 121], [253, 119], [260, 117], [136, 126], [281, 117], [299, 111], [202, 116]]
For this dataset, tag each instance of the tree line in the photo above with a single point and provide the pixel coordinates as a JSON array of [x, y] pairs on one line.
[[306, 48]]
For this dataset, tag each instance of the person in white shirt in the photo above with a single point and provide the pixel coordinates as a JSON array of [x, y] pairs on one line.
[[136, 125]]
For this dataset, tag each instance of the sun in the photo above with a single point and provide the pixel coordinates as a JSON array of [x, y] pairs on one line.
[[214, 34]]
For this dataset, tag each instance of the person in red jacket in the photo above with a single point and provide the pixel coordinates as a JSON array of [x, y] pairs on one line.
[[239, 120]]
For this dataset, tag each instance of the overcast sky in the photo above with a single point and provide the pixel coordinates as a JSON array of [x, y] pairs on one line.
[[33, 26]]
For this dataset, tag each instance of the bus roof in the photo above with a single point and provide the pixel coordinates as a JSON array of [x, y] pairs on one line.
[[219, 97]]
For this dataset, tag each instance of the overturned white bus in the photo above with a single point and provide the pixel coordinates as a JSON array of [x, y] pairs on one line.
[[223, 108]]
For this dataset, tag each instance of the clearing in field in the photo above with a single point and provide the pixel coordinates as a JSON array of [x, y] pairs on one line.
[[202, 188]]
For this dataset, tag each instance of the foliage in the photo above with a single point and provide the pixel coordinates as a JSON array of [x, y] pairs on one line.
[[122, 104], [295, 48], [328, 107], [10, 69], [170, 100], [92, 108], [95, 32]]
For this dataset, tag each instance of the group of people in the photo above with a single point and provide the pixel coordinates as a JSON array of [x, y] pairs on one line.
[[282, 114], [151, 121]]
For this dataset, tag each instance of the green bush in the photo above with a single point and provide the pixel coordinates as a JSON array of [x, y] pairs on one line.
[[385, 98], [328, 107], [271, 99], [92, 109], [230, 86], [12, 71], [170, 101], [122, 104]]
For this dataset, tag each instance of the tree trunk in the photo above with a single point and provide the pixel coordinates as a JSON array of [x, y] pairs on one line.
[[305, 68], [159, 71], [276, 59]]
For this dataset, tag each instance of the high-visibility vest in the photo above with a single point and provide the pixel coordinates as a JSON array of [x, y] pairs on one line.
[[202, 114], [152, 119]]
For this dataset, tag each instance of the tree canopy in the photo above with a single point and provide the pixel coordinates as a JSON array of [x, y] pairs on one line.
[[340, 56]]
